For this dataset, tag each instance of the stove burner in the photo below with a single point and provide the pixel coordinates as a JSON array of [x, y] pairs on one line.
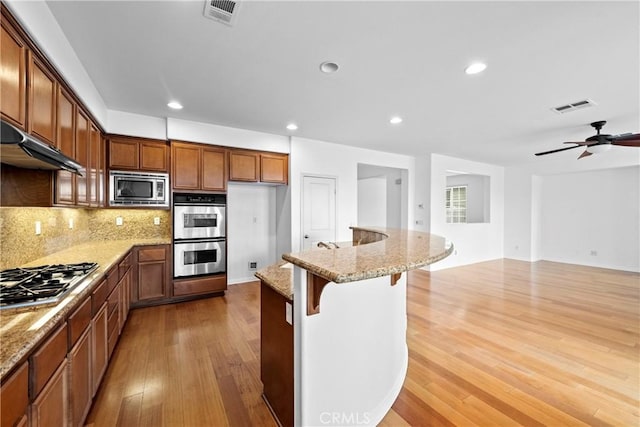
[[20, 287]]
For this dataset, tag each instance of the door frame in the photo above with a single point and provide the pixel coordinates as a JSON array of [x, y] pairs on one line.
[[335, 211]]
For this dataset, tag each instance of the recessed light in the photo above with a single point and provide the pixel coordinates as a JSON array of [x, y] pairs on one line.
[[395, 120], [175, 105], [475, 68], [292, 126], [329, 67]]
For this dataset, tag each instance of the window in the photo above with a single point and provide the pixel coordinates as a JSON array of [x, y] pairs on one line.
[[456, 204]]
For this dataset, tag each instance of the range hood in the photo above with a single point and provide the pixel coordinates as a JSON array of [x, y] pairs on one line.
[[20, 149]]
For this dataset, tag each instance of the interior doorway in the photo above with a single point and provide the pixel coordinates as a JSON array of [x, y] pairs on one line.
[[382, 196], [318, 210]]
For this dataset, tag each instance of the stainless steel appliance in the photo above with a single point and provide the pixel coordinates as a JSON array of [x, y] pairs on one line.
[[199, 234], [46, 284], [138, 189]]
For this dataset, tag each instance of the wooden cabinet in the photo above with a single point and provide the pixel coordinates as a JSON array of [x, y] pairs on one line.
[[50, 407], [256, 166], [244, 166], [276, 354], [200, 285], [13, 66], [153, 272], [65, 182], [14, 397], [198, 167], [99, 347], [82, 157], [137, 154], [42, 100], [47, 358], [93, 168], [80, 390], [274, 168]]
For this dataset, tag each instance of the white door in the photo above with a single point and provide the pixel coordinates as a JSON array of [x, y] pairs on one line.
[[318, 210]]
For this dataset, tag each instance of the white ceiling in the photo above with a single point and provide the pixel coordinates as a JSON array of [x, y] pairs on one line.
[[396, 58]]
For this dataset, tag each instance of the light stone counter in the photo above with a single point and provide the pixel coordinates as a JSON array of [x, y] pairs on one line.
[[22, 329], [397, 251]]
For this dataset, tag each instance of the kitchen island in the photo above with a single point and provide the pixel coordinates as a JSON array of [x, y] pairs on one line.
[[348, 331]]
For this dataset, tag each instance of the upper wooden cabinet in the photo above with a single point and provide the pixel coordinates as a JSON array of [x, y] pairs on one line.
[[256, 166], [13, 80], [43, 89], [198, 167], [138, 154], [274, 168]]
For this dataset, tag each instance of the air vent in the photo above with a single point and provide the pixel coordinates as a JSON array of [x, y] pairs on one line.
[[574, 106], [224, 11]]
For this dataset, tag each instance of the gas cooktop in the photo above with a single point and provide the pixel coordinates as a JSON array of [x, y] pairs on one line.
[[22, 287]]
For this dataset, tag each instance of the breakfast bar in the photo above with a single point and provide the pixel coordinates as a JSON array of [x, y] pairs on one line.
[[348, 319]]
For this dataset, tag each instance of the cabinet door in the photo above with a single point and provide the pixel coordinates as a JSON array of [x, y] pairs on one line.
[[82, 157], [50, 408], [65, 182], [123, 154], [13, 66], [214, 172], [153, 156], [243, 166], [93, 185], [274, 168], [151, 280], [80, 392], [99, 354], [185, 166], [14, 396], [42, 101]]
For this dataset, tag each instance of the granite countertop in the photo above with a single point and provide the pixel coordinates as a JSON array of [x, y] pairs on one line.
[[22, 329], [400, 251]]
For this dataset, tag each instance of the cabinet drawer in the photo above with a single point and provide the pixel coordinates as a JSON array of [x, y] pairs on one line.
[[14, 395], [78, 321], [151, 254], [200, 286], [99, 296], [124, 266], [113, 301], [113, 338], [113, 277], [112, 323], [47, 358]]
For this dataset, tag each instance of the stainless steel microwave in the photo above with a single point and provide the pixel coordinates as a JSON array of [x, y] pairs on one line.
[[138, 189]]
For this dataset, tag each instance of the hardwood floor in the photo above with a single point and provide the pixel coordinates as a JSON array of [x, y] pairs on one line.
[[497, 343]]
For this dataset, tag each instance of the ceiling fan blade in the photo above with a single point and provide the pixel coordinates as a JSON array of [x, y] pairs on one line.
[[628, 143], [585, 153], [579, 143], [556, 151], [626, 137]]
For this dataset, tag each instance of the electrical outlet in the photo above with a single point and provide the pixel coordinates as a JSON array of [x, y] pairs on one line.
[[419, 222], [156, 220], [288, 313], [70, 223], [253, 265], [38, 228], [119, 220], [594, 253]]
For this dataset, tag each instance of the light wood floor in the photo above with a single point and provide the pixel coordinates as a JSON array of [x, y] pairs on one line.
[[496, 343]]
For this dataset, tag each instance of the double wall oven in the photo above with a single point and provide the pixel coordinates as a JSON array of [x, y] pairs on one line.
[[199, 234]]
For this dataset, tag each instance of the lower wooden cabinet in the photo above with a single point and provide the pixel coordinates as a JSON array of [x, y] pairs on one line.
[[50, 407], [14, 397], [80, 390], [99, 347], [153, 268], [200, 285]]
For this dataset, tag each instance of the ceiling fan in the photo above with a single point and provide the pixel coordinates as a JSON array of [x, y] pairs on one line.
[[599, 143]]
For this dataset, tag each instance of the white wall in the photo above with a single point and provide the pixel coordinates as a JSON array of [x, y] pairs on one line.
[[478, 195], [123, 123], [372, 201], [251, 229], [592, 211], [422, 203], [326, 159], [472, 242]]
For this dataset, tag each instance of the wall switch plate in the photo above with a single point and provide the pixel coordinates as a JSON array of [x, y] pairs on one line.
[[118, 220], [38, 228], [288, 313], [156, 220]]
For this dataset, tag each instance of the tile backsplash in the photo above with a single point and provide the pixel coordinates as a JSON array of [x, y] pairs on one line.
[[64, 227]]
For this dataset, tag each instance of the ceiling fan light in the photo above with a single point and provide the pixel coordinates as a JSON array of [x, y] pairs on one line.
[[600, 148]]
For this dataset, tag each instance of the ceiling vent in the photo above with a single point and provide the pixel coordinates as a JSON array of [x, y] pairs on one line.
[[574, 106], [224, 11]]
